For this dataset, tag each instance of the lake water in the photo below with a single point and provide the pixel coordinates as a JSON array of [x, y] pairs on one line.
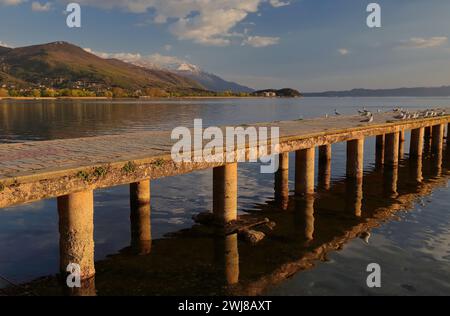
[[315, 248]]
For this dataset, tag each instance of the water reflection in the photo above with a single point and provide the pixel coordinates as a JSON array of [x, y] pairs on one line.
[[201, 261]]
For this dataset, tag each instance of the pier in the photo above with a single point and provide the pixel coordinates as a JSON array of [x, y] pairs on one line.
[[70, 170]]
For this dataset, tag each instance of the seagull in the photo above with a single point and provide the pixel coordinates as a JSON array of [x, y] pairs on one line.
[[402, 116], [369, 119], [337, 113], [326, 115]]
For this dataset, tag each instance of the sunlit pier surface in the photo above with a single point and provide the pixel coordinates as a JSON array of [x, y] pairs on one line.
[[70, 170]]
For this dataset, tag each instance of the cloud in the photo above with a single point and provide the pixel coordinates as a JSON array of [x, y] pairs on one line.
[[421, 42], [156, 60], [207, 22], [260, 41], [343, 51], [278, 3], [11, 2], [3, 44], [38, 7]]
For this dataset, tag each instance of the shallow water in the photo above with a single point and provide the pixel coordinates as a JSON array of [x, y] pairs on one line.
[[411, 246]]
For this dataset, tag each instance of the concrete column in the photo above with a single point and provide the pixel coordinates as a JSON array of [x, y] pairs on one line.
[[448, 134], [390, 182], [391, 150], [379, 151], [355, 158], [401, 145], [304, 171], [141, 236], [225, 193], [437, 138], [417, 139], [140, 193], [304, 216], [416, 169], [282, 182], [324, 167], [227, 257], [76, 231], [427, 139], [354, 196]]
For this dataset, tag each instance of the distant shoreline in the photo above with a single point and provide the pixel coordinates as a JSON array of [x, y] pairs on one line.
[[137, 99]]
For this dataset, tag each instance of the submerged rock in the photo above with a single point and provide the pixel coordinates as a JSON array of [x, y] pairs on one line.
[[252, 236]]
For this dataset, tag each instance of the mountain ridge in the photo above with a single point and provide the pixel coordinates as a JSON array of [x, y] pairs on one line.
[[60, 64], [442, 91]]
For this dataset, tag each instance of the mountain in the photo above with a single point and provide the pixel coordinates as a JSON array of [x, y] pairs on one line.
[[210, 81], [63, 65], [4, 49], [443, 91]]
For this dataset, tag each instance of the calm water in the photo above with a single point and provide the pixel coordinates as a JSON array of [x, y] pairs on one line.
[[314, 249]]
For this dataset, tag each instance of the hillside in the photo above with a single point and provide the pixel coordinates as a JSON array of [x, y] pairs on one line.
[[443, 91], [210, 81], [63, 65]]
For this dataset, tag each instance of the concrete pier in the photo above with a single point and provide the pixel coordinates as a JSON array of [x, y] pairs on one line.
[[226, 253], [324, 179], [427, 140], [76, 231], [141, 237], [355, 158], [391, 150], [225, 193], [354, 196], [282, 182], [416, 166], [304, 216], [417, 141], [390, 182], [401, 145], [304, 171], [379, 151], [437, 138]]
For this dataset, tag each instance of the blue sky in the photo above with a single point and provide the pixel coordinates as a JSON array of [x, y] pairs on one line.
[[311, 45]]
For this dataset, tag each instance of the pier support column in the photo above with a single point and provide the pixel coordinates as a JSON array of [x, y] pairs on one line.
[[391, 150], [226, 255], [355, 158], [76, 231], [401, 145], [304, 171], [417, 139], [282, 182], [379, 151], [427, 139], [141, 236], [437, 138], [416, 169], [448, 134], [324, 167], [354, 196], [304, 216], [225, 193], [390, 182]]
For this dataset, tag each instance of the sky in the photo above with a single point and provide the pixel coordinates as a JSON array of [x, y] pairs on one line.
[[309, 45]]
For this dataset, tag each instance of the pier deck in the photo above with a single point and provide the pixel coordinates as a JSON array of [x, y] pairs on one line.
[[33, 171]]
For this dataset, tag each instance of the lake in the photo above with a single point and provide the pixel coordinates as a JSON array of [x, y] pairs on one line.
[[318, 246]]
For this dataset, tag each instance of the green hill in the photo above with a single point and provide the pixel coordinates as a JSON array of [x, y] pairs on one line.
[[63, 65]]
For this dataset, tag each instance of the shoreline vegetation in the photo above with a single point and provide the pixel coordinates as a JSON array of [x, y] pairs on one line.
[[131, 98]]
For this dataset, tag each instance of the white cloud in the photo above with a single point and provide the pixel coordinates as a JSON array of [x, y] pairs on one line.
[[38, 7], [3, 44], [343, 51], [11, 2], [278, 3], [156, 60], [208, 22], [260, 41], [421, 42]]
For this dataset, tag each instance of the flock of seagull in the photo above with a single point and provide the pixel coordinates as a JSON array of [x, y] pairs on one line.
[[401, 114]]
